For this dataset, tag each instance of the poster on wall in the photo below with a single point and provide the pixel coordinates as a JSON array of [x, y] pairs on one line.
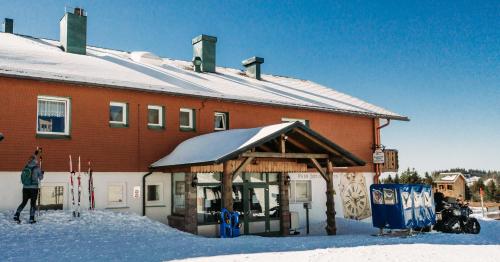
[[354, 195], [407, 203], [389, 196], [137, 192], [377, 197]]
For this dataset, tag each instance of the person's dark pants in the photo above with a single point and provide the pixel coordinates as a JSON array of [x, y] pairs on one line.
[[28, 194]]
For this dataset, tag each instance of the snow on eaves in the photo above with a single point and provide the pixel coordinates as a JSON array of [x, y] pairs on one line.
[[28, 57]]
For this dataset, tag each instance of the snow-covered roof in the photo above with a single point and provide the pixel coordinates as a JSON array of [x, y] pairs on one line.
[[29, 57], [217, 147], [450, 177]]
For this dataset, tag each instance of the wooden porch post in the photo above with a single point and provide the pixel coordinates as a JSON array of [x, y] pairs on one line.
[[284, 205], [227, 186], [190, 216], [331, 228]]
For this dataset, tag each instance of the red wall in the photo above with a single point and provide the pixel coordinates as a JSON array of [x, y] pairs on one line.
[[135, 147]]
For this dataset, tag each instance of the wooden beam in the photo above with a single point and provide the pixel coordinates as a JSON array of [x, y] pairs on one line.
[[242, 166], [266, 148], [299, 145], [282, 144], [227, 186], [320, 169], [285, 155]]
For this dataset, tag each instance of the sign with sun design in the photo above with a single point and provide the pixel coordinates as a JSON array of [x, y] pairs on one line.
[[354, 196]]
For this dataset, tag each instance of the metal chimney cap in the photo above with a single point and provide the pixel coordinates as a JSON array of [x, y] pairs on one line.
[[202, 37], [252, 60]]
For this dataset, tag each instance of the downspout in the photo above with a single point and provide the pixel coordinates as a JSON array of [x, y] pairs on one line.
[[377, 128], [144, 192]]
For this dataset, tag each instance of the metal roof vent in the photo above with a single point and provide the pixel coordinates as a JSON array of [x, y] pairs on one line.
[[73, 32], [146, 58], [252, 66], [204, 48], [8, 25]]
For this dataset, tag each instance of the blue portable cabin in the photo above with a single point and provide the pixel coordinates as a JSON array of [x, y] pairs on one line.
[[402, 206]]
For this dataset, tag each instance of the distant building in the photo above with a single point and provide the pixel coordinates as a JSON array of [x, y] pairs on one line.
[[471, 180], [451, 184]]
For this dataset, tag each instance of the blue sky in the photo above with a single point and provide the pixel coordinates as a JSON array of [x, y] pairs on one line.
[[438, 63]]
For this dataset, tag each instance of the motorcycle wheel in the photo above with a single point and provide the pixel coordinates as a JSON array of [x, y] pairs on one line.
[[453, 226], [472, 226]]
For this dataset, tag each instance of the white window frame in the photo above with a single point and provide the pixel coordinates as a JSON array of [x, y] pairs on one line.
[[292, 120], [160, 115], [191, 119], [66, 114], [124, 106], [224, 120], [293, 189], [124, 195], [161, 191]]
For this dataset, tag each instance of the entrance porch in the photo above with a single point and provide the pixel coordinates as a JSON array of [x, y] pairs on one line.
[[246, 170]]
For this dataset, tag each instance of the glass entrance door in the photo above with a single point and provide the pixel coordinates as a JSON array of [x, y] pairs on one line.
[[256, 208]]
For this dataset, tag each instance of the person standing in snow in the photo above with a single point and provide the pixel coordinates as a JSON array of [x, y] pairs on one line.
[[30, 177]]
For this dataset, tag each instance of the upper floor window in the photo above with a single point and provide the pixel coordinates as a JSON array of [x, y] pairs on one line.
[[221, 121], [155, 116], [53, 115], [186, 119], [303, 121], [118, 114]]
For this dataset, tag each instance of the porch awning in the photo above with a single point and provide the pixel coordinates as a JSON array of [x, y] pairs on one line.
[[218, 147]]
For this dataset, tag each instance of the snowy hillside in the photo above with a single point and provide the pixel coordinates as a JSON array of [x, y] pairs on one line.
[[109, 236]]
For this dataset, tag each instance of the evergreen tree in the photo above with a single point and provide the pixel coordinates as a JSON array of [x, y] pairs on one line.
[[396, 179], [428, 180], [490, 191], [389, 180]]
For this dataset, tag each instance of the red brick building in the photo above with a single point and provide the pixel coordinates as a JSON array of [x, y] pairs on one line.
[[125, 110]]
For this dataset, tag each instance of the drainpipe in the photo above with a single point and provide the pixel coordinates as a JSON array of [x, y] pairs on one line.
[[377, 145], [144, 192]]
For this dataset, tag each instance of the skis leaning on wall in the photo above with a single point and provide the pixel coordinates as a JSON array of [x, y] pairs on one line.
[[77, 213], [91, 189], [72, 185]]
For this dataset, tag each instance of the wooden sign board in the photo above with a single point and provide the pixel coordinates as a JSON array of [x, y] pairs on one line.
[[391, 163]]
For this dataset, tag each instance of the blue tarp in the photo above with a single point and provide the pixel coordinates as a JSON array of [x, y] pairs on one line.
[[402, 206]]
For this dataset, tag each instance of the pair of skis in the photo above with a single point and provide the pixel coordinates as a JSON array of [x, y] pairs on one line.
[[72, 174], [76, 206]]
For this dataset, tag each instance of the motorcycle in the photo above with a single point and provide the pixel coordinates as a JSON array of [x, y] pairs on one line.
[[455, 218]]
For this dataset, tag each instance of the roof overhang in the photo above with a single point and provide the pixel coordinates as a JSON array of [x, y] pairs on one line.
[[301, 142]]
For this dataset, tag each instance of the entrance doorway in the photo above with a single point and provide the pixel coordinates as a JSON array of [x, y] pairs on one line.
[[256, 198]]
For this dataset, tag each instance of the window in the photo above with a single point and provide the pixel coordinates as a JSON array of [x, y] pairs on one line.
[[53, 115], [441, 187], [178, 191], [51, 197], [209, 197], [154, 194], [186, 119], [221, 121], [156, 116], [118, 114], [303, 121], [116, 195], [301, 191], [449, 187]]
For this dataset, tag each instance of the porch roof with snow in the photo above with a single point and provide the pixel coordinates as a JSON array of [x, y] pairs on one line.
[[302, 143], [42, 59]]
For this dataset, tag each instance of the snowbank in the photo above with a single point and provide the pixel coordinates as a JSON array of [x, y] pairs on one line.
[[109, 236]]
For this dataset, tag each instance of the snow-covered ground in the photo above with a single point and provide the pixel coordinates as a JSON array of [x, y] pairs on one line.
[[109, 236]]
